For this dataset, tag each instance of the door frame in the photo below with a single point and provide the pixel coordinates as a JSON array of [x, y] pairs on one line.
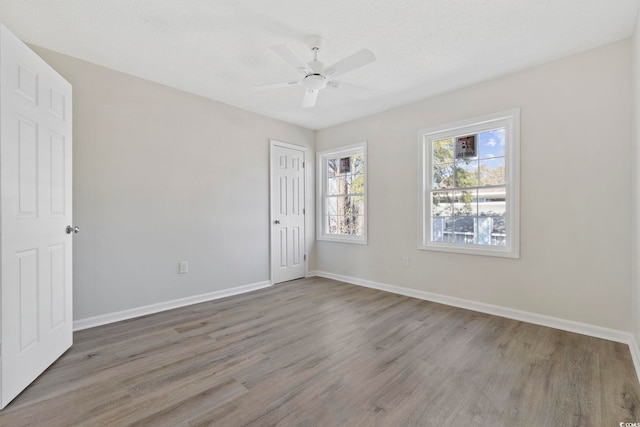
[[304, 150]]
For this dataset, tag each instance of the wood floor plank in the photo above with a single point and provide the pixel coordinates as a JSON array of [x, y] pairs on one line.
[[317, 352]]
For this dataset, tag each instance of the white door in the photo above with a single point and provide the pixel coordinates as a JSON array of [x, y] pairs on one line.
[[35, 191], [287, 212]]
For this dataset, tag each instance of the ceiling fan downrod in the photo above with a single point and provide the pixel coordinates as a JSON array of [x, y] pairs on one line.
[[315, 80]]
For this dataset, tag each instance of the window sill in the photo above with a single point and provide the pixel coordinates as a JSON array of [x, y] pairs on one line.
[[357, 240], [495, 251]]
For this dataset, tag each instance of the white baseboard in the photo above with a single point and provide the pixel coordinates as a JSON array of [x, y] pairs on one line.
[[496, 310], [509, 313], [635, 354], [104, 319]]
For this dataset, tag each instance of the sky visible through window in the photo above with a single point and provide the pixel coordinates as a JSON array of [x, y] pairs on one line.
[[492, 143]]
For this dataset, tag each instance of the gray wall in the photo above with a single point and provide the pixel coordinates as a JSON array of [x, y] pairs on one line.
[[162, 176], [575, 261]]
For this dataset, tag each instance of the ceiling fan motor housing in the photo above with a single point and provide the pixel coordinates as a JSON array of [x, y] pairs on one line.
[[315, 80]]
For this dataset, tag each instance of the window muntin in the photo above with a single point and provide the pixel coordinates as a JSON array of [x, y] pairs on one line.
[[470, 181], [342, 194]]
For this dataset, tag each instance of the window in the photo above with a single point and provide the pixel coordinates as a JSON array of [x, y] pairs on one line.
[[342, 194], [469, 186]]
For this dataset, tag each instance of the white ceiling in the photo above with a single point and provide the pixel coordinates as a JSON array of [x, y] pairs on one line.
[[219, 49]]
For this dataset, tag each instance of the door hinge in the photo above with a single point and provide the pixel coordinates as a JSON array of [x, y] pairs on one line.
[[303, 211], [302, 165], [305, 257]]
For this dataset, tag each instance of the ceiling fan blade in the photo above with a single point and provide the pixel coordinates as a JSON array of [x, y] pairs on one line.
[[351, 90], [290, 57], [350, 63], [277, 85], [310, 97]]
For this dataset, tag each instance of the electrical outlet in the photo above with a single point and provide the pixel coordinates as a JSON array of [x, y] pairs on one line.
[[405, 261], [183, 267]]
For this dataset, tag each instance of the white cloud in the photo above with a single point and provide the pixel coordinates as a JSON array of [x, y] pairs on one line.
[[491, 142]]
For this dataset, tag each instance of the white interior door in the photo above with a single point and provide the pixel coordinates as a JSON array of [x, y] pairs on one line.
[[35, 187], [287, 212]]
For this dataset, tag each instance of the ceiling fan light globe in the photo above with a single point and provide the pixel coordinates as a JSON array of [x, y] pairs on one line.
[[315, 82]]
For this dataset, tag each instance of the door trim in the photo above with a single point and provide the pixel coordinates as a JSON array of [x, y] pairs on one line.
[[304, 150]]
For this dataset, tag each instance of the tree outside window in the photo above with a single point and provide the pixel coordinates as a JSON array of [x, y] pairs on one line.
[[342, 178]]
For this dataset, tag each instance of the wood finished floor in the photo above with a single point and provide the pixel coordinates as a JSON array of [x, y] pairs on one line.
[[317, 352]]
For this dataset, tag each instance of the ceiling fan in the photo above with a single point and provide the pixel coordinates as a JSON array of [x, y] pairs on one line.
[[316, 75]]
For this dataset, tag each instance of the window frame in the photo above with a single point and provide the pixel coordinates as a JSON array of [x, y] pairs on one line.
[[510, 121], [321, 223]]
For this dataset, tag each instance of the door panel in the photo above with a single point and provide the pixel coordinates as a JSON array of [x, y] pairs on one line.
[[35, 186], [288, 214], [58, 166], [28, 167], [58, 289], [26, 288]]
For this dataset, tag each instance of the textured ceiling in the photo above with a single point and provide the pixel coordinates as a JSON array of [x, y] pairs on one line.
[[220, 49]]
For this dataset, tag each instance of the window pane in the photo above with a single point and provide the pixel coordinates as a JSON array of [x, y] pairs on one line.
[[442, 151], [492, 171], [344, 165], [358, 164], [465, 203], [343, 205], [499, 231], [332, 224], [333, 186], [442, 229], [356, 205], [492, 201], [485, 228], [355, 184], [357, 225], [345, 214], [341, 225], [466, 172], [492, 143], [347, 225], [466, 147], [443, 175], [332, 167], [332, 206], [442, 203], [464, 229], [343, 183]]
